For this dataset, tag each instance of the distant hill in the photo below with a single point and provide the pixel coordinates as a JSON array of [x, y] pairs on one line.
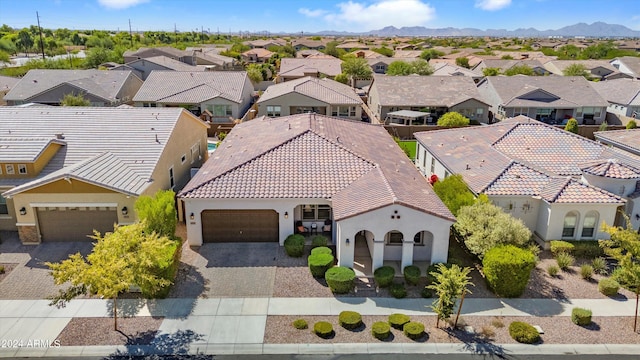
[[597, 29]]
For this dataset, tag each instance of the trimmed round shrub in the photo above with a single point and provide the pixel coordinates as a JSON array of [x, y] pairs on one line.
[[350, 320], [581, 316], [300, 324], [600, 266], [523, 332], [553, 270], [586, 271], [564, 260], [323, 329], [398, 320], [411, 274], [413, 330], [608, 286], [318, 241], [321, 250], [559, 246], [384, 276], [507, 269], [294, 245], [398, 291], [426, 293], [319, 264], [340, 279], [381, 330]]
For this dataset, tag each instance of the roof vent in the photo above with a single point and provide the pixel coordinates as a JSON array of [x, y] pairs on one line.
[[468, 167], [158, 141], [59, 136], [338, 139]]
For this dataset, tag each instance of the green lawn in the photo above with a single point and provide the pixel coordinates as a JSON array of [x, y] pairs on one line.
[[409, 146]]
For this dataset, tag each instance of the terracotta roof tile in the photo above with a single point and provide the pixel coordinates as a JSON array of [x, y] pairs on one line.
[[612, 169]]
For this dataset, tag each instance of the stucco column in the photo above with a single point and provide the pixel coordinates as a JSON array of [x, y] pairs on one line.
[[377, 258], [407, 253]]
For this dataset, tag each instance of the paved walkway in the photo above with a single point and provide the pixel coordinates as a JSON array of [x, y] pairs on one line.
[[212, 326]]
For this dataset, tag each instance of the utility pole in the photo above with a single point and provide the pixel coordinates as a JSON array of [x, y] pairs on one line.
[[40, 29], [130, 34], [175, 33], [201, 32]]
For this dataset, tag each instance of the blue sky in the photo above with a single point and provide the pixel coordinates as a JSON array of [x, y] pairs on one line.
[[318, 15]]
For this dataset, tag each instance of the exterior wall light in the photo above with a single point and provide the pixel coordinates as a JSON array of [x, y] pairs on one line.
[[347, 241], [286, 214], [23, 211], [125, 211], [192, 217]]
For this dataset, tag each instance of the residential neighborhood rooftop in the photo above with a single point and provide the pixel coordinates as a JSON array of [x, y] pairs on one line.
[[291, 67], [325, 90]]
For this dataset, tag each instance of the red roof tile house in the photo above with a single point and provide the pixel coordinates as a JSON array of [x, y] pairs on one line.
[[271, 175], [563, 186]]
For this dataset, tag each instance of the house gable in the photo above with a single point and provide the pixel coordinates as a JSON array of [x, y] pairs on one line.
[[537, 94], [71, 186]]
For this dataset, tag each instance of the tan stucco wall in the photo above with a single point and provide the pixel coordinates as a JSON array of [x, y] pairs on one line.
[[286, 102]]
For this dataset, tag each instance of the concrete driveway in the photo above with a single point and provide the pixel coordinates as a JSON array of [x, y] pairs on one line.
[[30, 279]]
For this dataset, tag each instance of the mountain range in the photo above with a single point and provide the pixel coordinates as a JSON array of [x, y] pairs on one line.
[[597, 29]]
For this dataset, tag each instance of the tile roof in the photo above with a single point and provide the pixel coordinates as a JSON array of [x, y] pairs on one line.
[[357, 165], [521, 156], [570, 191], [559, 66], [291, 67], [414, 90], [619, 91], [325, 90], [7, 82], [192, 87], [444, 69], [27, 149], [628, 140], [134, 139], [101, 83], [612, 169], [168, 63], [571, 91], [631, 62]]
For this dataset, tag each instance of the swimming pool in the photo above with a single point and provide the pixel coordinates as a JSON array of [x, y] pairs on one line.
[[211, 146]]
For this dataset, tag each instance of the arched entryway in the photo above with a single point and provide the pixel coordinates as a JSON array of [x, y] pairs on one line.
[[422, 246], [362, 252]]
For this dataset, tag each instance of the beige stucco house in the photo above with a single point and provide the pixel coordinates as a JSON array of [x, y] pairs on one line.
[[67, 171]]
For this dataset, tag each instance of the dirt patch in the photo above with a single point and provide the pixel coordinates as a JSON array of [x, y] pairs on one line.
[[8, 267], [99, 331], [488, 330]]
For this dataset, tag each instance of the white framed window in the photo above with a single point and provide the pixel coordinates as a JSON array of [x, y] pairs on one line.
[[220, 110], [394, 238], [274, 110], [172, 182], [22, 169], [9, 169], [479, 111], [589, 225], [343, 111], [433, 165], [316, 212], [569, 227], [520, 111]]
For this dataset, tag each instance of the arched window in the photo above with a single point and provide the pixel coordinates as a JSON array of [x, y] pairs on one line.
[[569, 227], [590, 224]]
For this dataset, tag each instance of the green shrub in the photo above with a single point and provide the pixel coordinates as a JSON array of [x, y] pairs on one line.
[[412, 274], [300, 324], [381, 330], [384, 276], [413, 330], [167, 268], [319, 264], [1, 269], [553, 270], [564, 260], [559, 246], [350, 320], [294, 245], [323, 329], [581, 316], [586, 249], [534, 249], [340, 279], [523, 332], [507, 269], [599, 265], [398, 291], [321, 250], [586, 271], [318, 241], [608, 286], [398, 320], [426, 293]]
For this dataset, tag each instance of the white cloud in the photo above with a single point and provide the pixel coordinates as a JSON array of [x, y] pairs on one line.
[[361, 15], [312, 13], [120, 4], [492, 5]]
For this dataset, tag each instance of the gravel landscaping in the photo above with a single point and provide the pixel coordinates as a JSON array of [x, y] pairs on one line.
[[139, 330], [488, 329]]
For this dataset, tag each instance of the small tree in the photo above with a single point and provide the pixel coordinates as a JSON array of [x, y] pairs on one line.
[[129, 256], [519, 70], [342, 78], [604, 126], [158, 212], [453, 119], [576, 70], [463, 61], [484, 226], [572, 126], [75, 100], [449, 285], [454, 193], [254, 72], [624, 246], [491, 71], [356, 68], [421, 67], [632, 125], [399, 68], [431, 54]]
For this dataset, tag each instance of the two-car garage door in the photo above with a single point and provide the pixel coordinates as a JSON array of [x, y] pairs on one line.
[[239, 226], [74, 223]]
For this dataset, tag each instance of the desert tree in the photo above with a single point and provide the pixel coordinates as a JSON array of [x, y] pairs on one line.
[[450, 284]]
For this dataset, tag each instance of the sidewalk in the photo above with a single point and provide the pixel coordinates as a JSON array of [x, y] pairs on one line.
[[218, 322]]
